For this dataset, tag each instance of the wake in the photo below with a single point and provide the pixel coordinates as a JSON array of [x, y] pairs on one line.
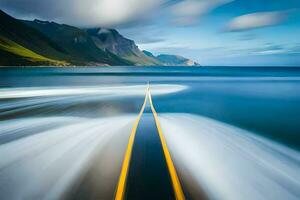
[[228, 162], [44, 158]]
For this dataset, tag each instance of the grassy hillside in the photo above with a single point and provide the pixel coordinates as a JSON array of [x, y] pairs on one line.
[[28, 37], [11, 52]]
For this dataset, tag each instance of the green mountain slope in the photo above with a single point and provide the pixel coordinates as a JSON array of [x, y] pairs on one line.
[[27, 37], [12, 53], [45, 43], [78, 45]]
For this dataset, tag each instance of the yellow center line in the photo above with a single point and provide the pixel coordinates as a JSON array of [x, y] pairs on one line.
[[179, 195], [125, 166]]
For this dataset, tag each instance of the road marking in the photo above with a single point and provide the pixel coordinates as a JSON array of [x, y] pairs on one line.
[[175, 180], [179, 195], [125, 166]]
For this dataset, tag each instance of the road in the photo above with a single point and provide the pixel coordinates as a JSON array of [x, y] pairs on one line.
[[148, 171]]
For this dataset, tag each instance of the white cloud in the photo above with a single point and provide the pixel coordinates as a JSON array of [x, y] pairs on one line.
[[110, 13], [188, 12], [256, 20], [114, 12], [84, 12]]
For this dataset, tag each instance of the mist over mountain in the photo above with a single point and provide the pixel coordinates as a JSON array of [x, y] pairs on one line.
[[111, 40]]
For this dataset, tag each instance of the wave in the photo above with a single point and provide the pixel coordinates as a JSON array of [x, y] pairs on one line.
[[129, 90], [227, 162], [47, 163]]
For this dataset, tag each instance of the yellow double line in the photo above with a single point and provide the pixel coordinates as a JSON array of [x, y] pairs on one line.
[[125, 166], [179, 195], [175, 180]]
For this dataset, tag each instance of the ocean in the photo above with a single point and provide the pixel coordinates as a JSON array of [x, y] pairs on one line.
[[233, 132]]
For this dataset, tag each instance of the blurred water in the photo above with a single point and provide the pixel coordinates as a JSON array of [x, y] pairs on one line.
[[228, 162], [232, 132], [46, 164]]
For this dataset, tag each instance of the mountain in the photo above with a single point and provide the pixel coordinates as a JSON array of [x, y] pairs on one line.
[[176, 60], [23, 45], [172, 60], [43, 43], [149, 54], [48, 43], [78, 45], [113, 41]]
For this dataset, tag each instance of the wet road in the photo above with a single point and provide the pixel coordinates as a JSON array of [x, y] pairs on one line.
[[148, 171], [148, 176]]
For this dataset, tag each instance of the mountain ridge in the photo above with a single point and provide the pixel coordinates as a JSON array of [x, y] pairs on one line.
[[44, 43], [113, 41], [77, 43]]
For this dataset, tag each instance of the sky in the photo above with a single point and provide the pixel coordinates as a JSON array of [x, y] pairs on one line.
[[211, 32]]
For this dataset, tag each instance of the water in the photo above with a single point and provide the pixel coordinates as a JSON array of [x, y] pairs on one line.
[[233, 132]]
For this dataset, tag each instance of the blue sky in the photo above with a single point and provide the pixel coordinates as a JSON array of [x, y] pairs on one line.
[[212, 32], [207, 41]]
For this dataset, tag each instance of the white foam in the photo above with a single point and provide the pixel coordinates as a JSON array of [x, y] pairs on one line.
[[228, 162], [131, 90], [46, 164]]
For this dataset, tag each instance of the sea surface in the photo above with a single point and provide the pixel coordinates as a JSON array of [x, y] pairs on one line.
[[233, 132]]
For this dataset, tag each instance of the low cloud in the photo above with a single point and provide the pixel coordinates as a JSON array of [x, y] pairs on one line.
[[188, 12], [143, 35], [256, 20], [150, 40]]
